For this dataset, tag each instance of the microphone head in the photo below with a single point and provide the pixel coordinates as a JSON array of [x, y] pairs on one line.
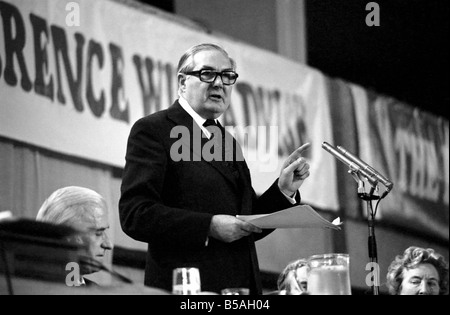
[[329, 148], [389, 185]]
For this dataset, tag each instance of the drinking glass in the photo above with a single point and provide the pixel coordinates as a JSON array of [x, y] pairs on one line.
[[329, 274], [186, 281]]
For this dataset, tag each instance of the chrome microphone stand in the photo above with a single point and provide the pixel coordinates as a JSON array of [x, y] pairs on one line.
[[360, 170], [372, 244]]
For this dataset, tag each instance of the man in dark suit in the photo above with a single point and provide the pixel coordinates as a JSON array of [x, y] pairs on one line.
[[184, 203]]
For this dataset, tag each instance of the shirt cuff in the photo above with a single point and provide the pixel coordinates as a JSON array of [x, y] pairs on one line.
[[289, 198]]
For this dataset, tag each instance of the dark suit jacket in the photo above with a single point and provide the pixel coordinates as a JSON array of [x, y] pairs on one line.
[[169, 205]]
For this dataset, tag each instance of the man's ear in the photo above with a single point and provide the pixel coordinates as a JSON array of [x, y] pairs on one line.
[[182, 81]]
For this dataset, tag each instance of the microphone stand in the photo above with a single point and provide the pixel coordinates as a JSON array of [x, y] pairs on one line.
[[372, 244]]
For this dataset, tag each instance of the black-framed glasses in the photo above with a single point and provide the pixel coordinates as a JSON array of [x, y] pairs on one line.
[[228, 77]]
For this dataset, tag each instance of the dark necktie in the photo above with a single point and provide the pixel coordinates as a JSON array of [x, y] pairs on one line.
[[212, 122]]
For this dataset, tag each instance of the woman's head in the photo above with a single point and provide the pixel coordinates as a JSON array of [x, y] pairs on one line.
[[418, 271]]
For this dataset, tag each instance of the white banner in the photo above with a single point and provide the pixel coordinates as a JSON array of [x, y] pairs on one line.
[[75, 76], [411, 148]]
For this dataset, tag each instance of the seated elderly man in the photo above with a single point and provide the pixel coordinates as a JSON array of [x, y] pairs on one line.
[[418, 271], [85, 210]]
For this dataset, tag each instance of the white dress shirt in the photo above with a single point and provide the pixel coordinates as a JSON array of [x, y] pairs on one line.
[[199, 120]]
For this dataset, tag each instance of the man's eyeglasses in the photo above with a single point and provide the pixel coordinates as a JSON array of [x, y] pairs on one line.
[[228, 77]]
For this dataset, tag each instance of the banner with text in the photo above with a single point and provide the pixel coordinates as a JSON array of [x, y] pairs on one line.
[[74, 80], [411, 148]]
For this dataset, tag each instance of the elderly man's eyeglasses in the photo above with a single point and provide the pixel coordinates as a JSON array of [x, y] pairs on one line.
[[209, 76]]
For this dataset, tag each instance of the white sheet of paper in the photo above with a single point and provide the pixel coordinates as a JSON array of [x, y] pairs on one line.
[[5, 215], [303, 216]]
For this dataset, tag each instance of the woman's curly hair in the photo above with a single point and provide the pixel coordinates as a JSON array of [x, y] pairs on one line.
[[411, 258]]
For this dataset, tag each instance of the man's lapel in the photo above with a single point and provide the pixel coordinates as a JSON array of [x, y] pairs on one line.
[[197, 140]]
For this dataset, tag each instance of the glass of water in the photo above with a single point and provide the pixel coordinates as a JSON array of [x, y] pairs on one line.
[[329, 274], [186, 281]]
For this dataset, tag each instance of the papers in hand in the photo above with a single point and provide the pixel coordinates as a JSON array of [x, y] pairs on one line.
[[302, 216]]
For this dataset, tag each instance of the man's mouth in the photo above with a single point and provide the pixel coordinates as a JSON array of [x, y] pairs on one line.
[[215, 97]]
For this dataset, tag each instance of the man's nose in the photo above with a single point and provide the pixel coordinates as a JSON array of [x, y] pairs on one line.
[[107, 244], [218, 81], [424, 288]]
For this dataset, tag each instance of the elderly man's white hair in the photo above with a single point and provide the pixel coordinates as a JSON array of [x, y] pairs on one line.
[[71, 206]]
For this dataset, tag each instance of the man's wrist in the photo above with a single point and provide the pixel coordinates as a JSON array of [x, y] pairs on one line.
[[290, 196], [288, 193]]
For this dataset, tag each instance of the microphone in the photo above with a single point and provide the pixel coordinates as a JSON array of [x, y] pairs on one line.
[[352, 164], [386, 182]]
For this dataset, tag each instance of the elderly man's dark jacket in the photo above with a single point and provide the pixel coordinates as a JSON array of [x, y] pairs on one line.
[[169, 203]]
